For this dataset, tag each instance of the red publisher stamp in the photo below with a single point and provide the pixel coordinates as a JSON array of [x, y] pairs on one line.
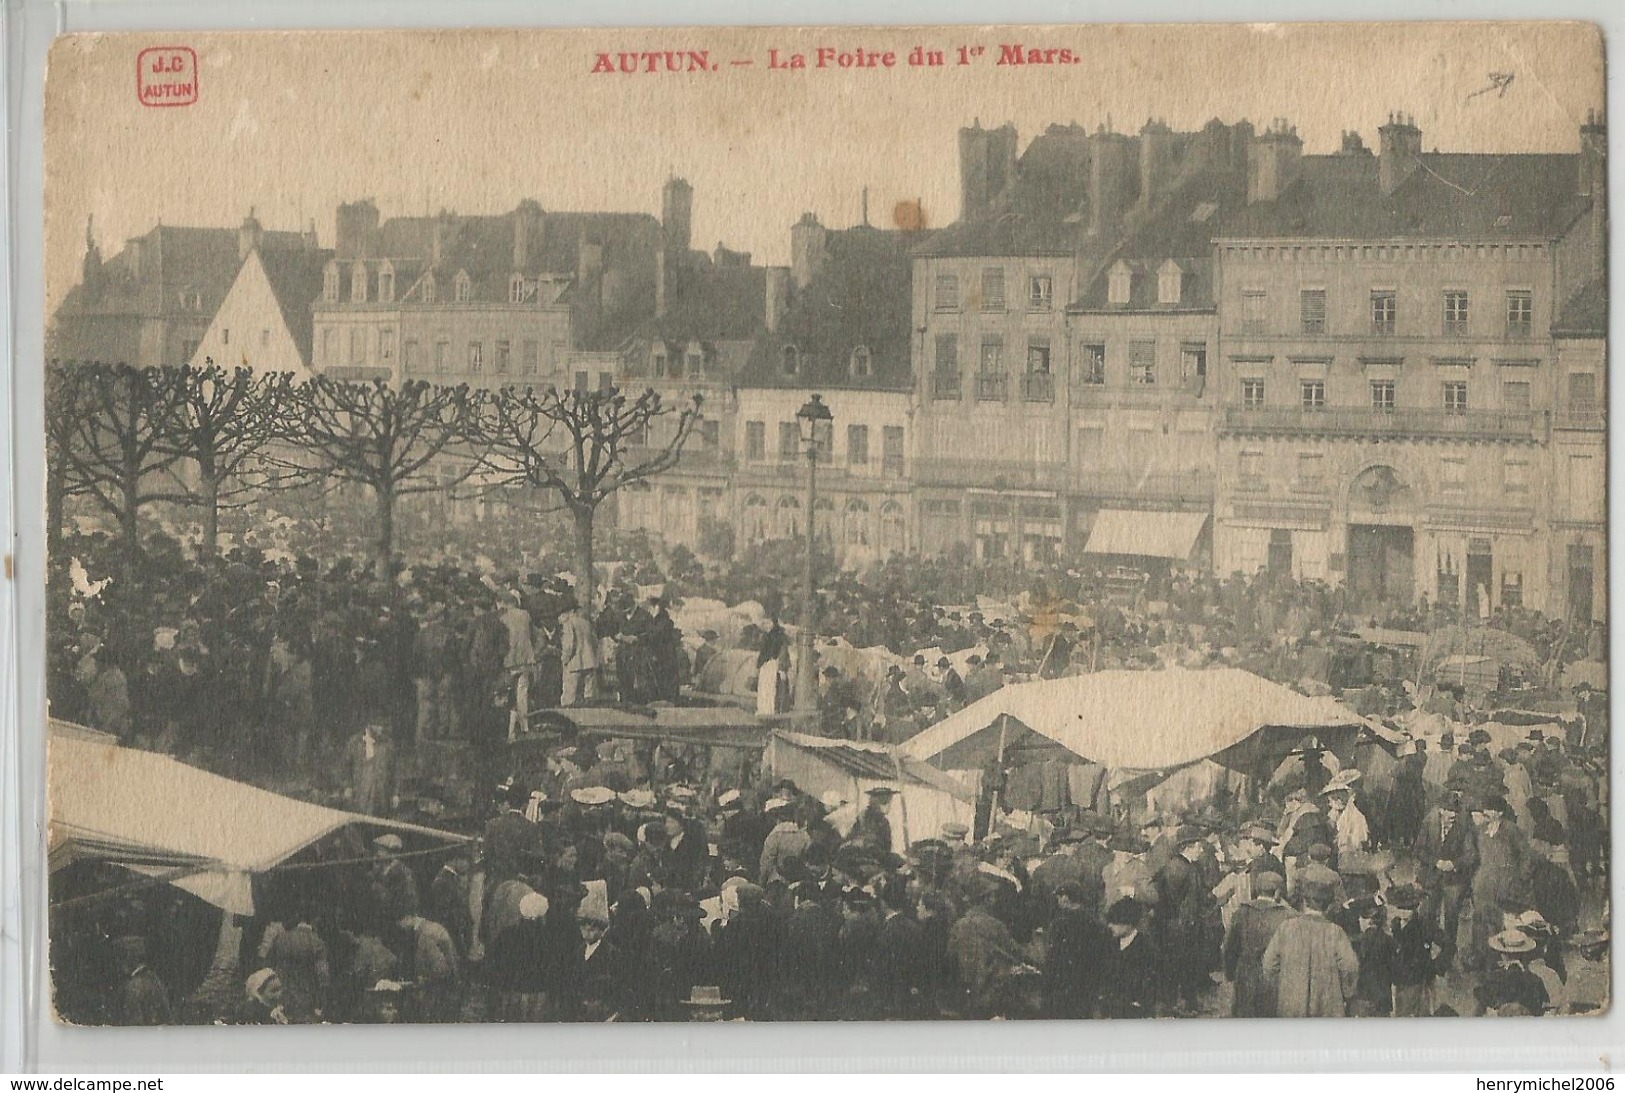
[[166, 76]]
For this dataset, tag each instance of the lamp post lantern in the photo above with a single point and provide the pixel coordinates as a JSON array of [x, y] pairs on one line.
[[814, 418]]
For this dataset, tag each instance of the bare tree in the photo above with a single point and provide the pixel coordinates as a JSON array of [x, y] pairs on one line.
[[384, 438], [223, 422], [583, 446], [65, 404], [111, 424]]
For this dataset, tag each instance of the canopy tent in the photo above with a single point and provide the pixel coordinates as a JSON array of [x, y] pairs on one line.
[[1506, 649], [156, 815], [1143, 720], [926, 797], [717, 726], [1146, 534]]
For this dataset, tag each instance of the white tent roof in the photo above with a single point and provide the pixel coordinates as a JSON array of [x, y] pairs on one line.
[[157, 815], [1145, 534], [1140, 720]]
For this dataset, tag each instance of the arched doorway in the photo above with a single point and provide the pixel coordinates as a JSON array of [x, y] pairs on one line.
[[1381, 556]]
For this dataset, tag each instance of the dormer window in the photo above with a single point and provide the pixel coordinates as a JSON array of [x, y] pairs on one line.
[[330, 283], [386, 283], [463, 287], [658, 362], [426, 288], [358, 283], [1170, 283], [695, 359], [518, 289], [791, 359], [1119, 281], [863, 362]]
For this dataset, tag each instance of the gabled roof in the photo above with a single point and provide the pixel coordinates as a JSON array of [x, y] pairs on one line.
[[296, 282], [1449, 195], [861, 296], [708, 304], [173, 261], [1585, 314]]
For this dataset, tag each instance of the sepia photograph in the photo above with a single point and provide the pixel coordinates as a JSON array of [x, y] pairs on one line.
[[842, 524]]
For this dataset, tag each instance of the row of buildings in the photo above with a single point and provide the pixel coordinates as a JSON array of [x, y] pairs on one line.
[[1383, 367]]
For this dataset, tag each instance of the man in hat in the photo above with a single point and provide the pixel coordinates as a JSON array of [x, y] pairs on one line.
[[510, 835], [1504, 866], [1510, 988], [952, 684], [1132, 981], [1362, 920], [578, 653], [984, 677], [1251, 930], [1417, 948], [1188, 919], [985, 957], [1310, 959], [872, 828], [394, 887], [1077, 946], [143, 998], [786, 842]]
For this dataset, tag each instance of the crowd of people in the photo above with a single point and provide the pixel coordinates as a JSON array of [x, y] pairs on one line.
[[633, 881]]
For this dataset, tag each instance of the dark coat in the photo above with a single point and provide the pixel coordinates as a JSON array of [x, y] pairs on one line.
[[1077, 950], [1251, 929], [1131, 979]]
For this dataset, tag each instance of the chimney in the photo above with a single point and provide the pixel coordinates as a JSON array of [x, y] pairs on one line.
[[1594, 184], [1399, 153], [987, 167], [778, 296], [1352, 145], [807, 245], [1156, 162], [1110, 179], [92, 266], [590, 272], [249, 236], [527, 221], [357, 230], [677, 213], [1273, 161], [307, 238], [440, 236], [136, 248]]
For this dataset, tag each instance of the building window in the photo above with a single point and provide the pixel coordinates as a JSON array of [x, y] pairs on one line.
[[1520, 313], [1453, 470], [993, 289], [710, 434], [386, 343], [755, 441], [330, 345], [386, 286], [1310, 470], [1252, 394], [1142, 362], [442, 357], [330, 284], [358, 284], [891, 451], [857, 522], [1515, 395], [1312, 394], [857, 445], [476, 356], [504, 356], [409, 357], [790, 358], [1384, 311], [1312, 310], [992, 362], [606, 382], [863, 362], [946, 378], [518, 292], [1455, 397], [189, 348], [1582, 391], [1455, 312], [358, 345], [947, 292], [1038, 355], [789, 439], [530, 355], [265, 338], [1253, 304], [1515, 476], [1382, 395], [1193, 362], [1041, 292], [1119, 284], [462, 288], [1170, 283], [1251, 465], [426, 289], [225, 335], [696, 361], [1092, 364]]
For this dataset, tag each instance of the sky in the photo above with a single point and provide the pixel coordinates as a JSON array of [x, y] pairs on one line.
[[291, 124]]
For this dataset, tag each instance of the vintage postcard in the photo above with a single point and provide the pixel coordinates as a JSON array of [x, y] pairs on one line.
[[843, 524]]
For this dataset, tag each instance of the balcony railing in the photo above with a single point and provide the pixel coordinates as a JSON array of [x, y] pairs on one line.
[[1194, 486], [945, 385], [1038, 387], [992, 386], [991, 473], [1582, 417], [1348, 421]]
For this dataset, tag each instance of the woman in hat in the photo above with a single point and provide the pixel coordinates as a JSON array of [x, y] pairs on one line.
[[263, 1004], [1510, 988]]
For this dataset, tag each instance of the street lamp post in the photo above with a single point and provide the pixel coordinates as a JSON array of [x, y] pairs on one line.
[[812, 418]]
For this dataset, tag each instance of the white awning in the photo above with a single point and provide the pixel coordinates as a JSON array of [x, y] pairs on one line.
[[1146, 534]]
